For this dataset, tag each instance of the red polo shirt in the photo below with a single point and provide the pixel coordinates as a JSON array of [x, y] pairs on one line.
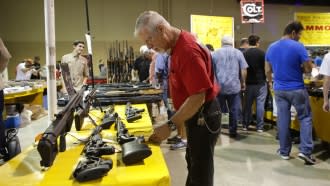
[[190, 71]]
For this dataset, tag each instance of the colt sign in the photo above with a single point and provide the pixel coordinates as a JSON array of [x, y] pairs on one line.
[[252, 11]]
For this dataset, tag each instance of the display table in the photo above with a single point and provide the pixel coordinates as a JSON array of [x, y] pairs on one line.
[[25, 168], [32, 96], [320, 119]]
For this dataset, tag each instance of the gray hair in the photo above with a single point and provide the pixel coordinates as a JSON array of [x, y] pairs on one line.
[[149, 20]]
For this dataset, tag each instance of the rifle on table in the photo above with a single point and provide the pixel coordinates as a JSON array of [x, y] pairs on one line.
[[133, 148], [109, 118], [47, 146], [93, 166], [131, 113], [83, 110]]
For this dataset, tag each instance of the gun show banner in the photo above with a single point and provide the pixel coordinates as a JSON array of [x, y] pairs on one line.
[[252, 11], [316, 28], [210, 29]]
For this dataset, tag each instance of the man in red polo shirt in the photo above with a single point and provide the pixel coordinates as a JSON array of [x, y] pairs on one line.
[[193, 90]]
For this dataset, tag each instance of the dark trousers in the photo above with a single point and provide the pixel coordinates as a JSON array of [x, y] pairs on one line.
[[200, 147], [233, 101], [2, 125]]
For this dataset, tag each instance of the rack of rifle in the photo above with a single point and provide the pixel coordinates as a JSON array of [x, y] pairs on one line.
[[120, 62], [121, 93]]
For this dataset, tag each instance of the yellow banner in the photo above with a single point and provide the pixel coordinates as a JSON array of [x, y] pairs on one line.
[[316, 28], [210, 29]]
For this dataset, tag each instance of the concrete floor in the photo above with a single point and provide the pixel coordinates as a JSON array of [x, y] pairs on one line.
[[249, 160]]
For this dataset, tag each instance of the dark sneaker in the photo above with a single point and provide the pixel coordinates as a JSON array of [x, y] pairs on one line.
[[178, 146], [309, 160], [173, 140], [284, 157], [233, 135]]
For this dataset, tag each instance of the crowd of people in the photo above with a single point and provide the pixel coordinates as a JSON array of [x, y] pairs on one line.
[[230, 80], [203, 83]]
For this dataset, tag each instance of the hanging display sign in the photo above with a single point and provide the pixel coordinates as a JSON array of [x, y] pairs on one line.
[[316, 28], [252, 11], [211, 29]]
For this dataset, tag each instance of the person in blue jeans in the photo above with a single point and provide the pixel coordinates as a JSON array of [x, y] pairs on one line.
[[287, 59], [230, 70], [256, 87]]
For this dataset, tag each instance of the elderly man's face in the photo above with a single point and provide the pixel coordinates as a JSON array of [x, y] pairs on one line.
[[153, 40]]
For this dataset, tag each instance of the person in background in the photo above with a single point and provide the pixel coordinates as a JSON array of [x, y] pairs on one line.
[[142, 64], [162, 70], [178, 141], [194, 96], [77, 65], [230, 70], [256, 86], [25, 69], [325, 71], [287, 59], [4, 58], [318, 59], [152, 74], [36, 66], [244, 44], [102, 68]]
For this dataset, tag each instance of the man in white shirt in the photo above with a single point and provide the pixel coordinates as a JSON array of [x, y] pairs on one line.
[[325, 70], [25, 69]]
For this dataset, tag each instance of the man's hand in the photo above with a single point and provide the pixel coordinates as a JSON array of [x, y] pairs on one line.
[[326, 106], [243, 86], [161, 133], [270, 85]]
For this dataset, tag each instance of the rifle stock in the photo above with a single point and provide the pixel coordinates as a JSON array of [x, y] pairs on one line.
[[133, 148], [47, 146], [94, 166]]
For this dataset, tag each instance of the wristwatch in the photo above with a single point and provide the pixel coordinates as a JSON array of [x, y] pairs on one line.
[[171, 125]]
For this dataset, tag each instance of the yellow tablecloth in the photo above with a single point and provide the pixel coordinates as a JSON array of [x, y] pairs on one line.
[[25, 169], [33, 96]]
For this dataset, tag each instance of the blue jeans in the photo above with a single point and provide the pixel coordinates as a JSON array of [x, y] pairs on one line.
[[233, 102], [300, 100], [255, 92]]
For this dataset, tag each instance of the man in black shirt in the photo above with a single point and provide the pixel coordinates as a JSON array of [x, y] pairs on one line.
[[244, 44], [256, 87], [142, 64]]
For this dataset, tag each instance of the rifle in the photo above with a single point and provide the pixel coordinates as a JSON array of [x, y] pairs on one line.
[[133, 148], [83, 110], [94, 167], [131, 113], [120, 57], [109, 118], [47, 146]]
